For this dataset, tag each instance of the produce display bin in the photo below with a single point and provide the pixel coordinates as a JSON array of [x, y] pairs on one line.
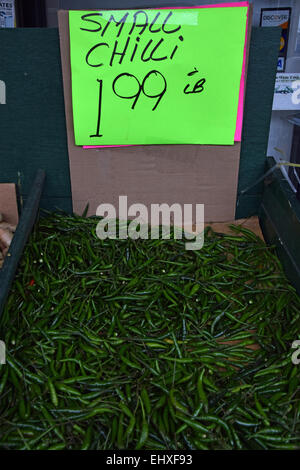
[[27, 220], [279, 217]]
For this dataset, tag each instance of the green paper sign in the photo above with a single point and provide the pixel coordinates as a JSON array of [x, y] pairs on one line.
[[156, 76]]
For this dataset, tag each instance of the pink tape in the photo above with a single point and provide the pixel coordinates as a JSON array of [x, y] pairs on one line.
[[240, 114]]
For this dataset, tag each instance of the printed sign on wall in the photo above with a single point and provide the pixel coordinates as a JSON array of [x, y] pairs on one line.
[[278, 17], [7, 14], [284, 94], [156, 76]]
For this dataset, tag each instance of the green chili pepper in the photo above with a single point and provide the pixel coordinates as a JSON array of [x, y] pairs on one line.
[[124, 344]]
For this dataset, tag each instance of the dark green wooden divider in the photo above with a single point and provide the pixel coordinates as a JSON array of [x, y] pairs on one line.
[[32, 123], [258, 109]]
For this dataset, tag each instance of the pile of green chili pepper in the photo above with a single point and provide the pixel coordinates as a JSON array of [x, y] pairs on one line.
[[123, 344]]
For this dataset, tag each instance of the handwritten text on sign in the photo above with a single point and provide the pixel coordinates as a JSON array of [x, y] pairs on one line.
[[156, 76]]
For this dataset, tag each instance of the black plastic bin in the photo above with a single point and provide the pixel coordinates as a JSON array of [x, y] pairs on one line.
[[280, 222]]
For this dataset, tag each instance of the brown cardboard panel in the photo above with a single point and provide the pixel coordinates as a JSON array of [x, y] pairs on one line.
[[8, 203], [223, 227], [184, 174]]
